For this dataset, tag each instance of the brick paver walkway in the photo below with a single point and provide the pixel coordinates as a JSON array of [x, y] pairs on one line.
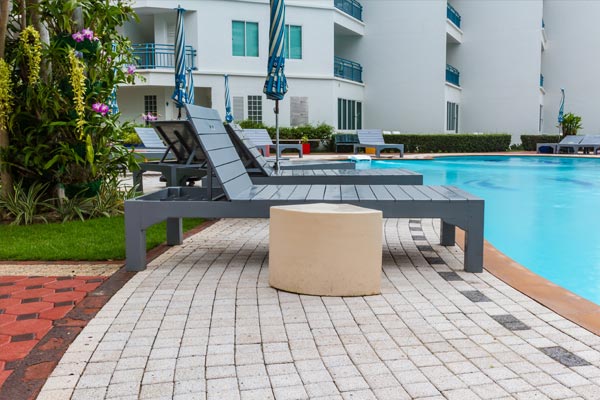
[[202, 322]]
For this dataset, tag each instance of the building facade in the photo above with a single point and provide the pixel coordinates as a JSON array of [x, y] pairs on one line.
[[411, 66]]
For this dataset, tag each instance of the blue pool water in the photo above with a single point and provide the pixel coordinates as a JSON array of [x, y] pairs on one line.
[[542, 212]]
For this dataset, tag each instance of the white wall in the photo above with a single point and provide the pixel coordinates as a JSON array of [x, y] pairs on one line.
[[403, 57], [208, 29], [572, 61], [499, 64]]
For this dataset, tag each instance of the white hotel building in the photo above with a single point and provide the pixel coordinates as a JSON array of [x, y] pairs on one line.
[[414, 66]]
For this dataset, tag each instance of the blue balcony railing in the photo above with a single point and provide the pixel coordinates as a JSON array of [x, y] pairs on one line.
[[347, 69], [453, 15], [452, 75], [154, 55], [350, 7], [541, 80]]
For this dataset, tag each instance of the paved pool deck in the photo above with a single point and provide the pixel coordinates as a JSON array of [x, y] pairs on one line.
[[201, 322]]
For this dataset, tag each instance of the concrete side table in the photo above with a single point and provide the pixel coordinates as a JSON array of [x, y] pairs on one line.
[[325, 249]]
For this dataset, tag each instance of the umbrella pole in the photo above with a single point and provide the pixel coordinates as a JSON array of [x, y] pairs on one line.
[[276, 135]]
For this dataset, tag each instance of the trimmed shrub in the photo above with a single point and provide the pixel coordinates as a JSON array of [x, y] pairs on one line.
[[530, 141], [451, 143], [322, 132]]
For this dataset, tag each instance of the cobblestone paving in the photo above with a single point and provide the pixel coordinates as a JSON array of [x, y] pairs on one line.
[[202, 323]]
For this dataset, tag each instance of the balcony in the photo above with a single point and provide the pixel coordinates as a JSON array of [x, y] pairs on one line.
[[347, 69], [154, 55], [351, 7], [453, 15], [452, 75]]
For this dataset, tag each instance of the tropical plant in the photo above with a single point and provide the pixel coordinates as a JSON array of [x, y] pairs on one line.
[[25, 205], [61, 127], [571, 123]]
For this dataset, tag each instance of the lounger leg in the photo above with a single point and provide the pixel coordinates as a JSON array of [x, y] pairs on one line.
[[138, 180], [447, 234], [174, 231], [474, 241], [172, 177], [135, 239]]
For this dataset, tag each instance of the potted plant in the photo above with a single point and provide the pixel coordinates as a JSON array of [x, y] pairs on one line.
[[571, 123], [305, 144]]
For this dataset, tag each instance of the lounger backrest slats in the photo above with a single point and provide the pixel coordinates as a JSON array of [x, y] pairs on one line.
[[259, 137], [572, 139], [182, 139], [370, 136], [591, 140], [247, 150], [220, 152], [150, 138]]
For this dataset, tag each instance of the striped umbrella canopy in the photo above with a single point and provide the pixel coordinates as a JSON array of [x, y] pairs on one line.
[[228, 114], [179, 94], [561, 109], [276, 85], [189, 93]]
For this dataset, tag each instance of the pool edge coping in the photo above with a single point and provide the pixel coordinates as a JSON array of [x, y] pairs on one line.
[[565, 303]]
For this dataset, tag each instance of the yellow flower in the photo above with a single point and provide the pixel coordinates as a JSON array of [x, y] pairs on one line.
[[6, 96], [32, 48], [78, 84]]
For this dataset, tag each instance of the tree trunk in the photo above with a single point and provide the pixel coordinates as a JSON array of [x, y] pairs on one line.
[[5, 176]]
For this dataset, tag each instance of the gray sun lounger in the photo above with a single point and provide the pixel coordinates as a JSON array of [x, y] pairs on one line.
[[263, 173], [261, 138], [255, 162], [181, 161], [374, 138], [587, 143], [238, 197], [567, 140]]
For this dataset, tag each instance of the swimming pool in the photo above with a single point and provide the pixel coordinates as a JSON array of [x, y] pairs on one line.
[[543, 212]]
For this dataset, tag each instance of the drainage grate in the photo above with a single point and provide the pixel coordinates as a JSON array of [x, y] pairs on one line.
[[510, 322], [564, 356], [450, 276], [475, 296]]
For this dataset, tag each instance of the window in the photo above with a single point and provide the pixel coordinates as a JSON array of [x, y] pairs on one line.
[[293, 42], [255, 108], [238, 108], [541, 122], [150, 105], [451, 117], [244, 38], [349, 114]]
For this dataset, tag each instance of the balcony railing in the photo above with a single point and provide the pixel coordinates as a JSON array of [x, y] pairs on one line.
[[154, 55], [453, 15], [541, 80], [350, 7], [452, 75], [347, 69]]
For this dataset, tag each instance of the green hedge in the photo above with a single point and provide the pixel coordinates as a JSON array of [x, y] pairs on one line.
[[321, 132], [451, 143], [530, 141]]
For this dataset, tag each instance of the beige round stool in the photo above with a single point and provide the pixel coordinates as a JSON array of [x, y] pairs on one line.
[[325, 249]]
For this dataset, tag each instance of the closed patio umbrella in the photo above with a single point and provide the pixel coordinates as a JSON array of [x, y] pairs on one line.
[[179, 94], [189, 93], [561, 110], [276, 84], [228, 114]]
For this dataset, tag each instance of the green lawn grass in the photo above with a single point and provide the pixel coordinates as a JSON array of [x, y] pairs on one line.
[[92, 240]]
